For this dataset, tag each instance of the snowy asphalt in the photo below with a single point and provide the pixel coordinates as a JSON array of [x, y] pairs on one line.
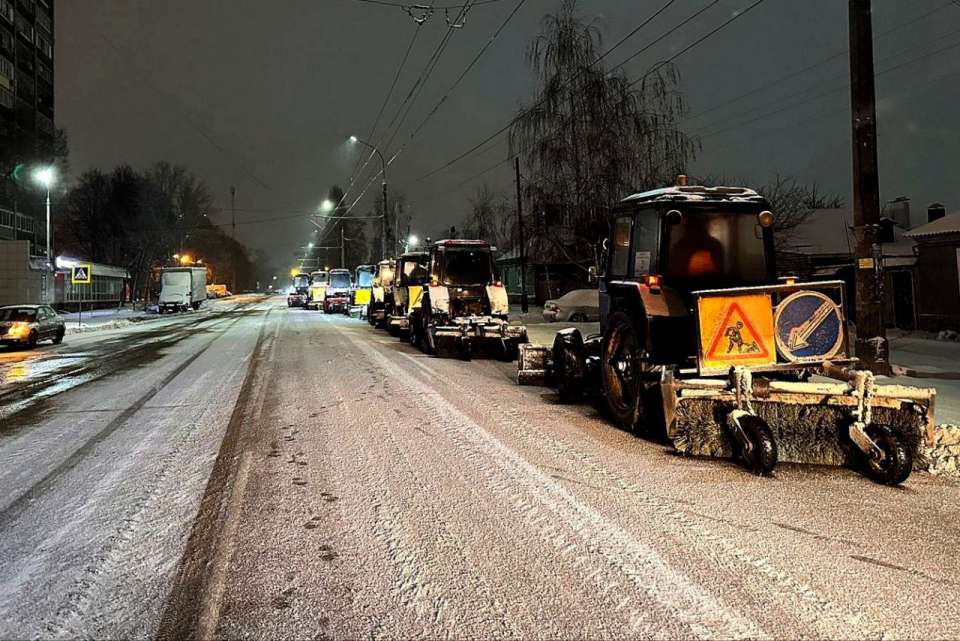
[[259, 472]]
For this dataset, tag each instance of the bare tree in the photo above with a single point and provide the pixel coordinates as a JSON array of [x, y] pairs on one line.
[[591, 137], [793, 204], [491, 218]]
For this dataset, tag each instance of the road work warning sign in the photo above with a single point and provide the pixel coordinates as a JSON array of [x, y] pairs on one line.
[[736, 330]]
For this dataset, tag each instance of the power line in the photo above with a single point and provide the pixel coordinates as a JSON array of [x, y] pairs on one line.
[[401, 5], [834, 56], [698, 41], [512, 121]]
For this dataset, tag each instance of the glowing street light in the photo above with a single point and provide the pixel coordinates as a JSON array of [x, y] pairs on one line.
[[310, 245], [327, 206], [46, 177], [383, 218], [412, 241]]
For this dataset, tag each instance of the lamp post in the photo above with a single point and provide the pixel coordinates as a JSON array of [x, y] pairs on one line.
[[46, 177], [383, 219]]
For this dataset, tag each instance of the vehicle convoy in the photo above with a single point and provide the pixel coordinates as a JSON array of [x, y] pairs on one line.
[[29, 324], [362, 292], [699, 342], [337, 293], [382, 292], [318, 289], [464, 306], [300, 292], [182, 288], [408, 285]]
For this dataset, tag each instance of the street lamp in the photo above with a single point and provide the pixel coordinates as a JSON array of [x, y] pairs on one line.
[[309, 245], [412, 241], [46, 177], [383, 220], [327, 206]]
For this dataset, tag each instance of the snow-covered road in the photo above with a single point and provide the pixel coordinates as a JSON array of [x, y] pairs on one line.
[[261, 472]]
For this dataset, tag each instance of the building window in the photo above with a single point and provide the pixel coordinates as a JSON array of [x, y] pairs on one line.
[[6, 72], [44, 21], [45, 74], [6, 10], [6, 98], [45, 46], [6, 41], [24, 28]]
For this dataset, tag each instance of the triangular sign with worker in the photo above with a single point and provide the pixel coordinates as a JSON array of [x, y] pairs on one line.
[[737, 330]]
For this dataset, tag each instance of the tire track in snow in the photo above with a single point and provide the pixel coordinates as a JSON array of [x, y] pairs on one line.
[[661, 588], [822, 613]]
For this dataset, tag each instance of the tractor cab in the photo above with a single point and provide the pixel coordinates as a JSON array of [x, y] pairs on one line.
[[318, 288], [667, 244], [362, 289], [411, 275], [337, 295], [382, 292], [300, 292], [464, 269]]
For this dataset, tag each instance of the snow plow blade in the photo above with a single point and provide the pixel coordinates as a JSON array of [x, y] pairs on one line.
[[479, 334]]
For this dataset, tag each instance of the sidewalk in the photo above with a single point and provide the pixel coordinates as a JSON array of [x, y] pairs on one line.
[[97, 319]]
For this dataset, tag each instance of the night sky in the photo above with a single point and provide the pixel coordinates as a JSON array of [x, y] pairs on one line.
[[263, 95]]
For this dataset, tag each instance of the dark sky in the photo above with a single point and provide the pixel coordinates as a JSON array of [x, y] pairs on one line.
[[262, 95]]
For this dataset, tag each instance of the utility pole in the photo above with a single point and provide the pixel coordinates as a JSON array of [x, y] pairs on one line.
[[871, 347], [524, 304], [343, 254], [233, 228]]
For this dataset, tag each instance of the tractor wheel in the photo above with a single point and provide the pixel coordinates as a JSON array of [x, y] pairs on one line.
[[763, 457], [897, 462], [414, 331], [59, 337], [568, 367], [621, 370], [32, 339]]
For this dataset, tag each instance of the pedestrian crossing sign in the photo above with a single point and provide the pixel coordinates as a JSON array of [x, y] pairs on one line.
[[81, 274], [736, 331]]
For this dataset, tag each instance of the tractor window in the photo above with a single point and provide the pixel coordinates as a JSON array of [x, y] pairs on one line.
[[645, 236], [340, 280], [620, 247], [467, 267], [716, 248], [414, 272]]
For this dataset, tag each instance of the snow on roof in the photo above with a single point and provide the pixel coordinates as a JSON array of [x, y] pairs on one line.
[[949, 224], [693, 193], [827, 232]]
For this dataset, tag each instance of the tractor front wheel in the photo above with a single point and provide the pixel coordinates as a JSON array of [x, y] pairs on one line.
[[897, 462], [622, 372], [762, 457]]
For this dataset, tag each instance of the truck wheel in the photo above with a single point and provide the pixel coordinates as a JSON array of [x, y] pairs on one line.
[[621, 372], [763, 457], [897, 462], [568, 366]]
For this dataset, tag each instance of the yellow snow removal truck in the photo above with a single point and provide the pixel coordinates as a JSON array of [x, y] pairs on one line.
[[700, 343]]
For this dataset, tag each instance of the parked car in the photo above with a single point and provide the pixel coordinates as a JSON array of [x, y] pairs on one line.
[[29, 324], [577, 306]]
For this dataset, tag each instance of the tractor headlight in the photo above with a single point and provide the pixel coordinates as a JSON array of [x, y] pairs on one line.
[[19, 329]]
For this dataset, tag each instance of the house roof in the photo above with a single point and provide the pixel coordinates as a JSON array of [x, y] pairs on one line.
[[827, 232], [949, 224]]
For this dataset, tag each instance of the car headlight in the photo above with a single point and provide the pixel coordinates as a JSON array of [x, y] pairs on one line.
[[19, 329]]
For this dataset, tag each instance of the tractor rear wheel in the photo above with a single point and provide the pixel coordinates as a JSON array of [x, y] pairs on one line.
[[897, 462], [621, 370], [762, 458], [568, 367]]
